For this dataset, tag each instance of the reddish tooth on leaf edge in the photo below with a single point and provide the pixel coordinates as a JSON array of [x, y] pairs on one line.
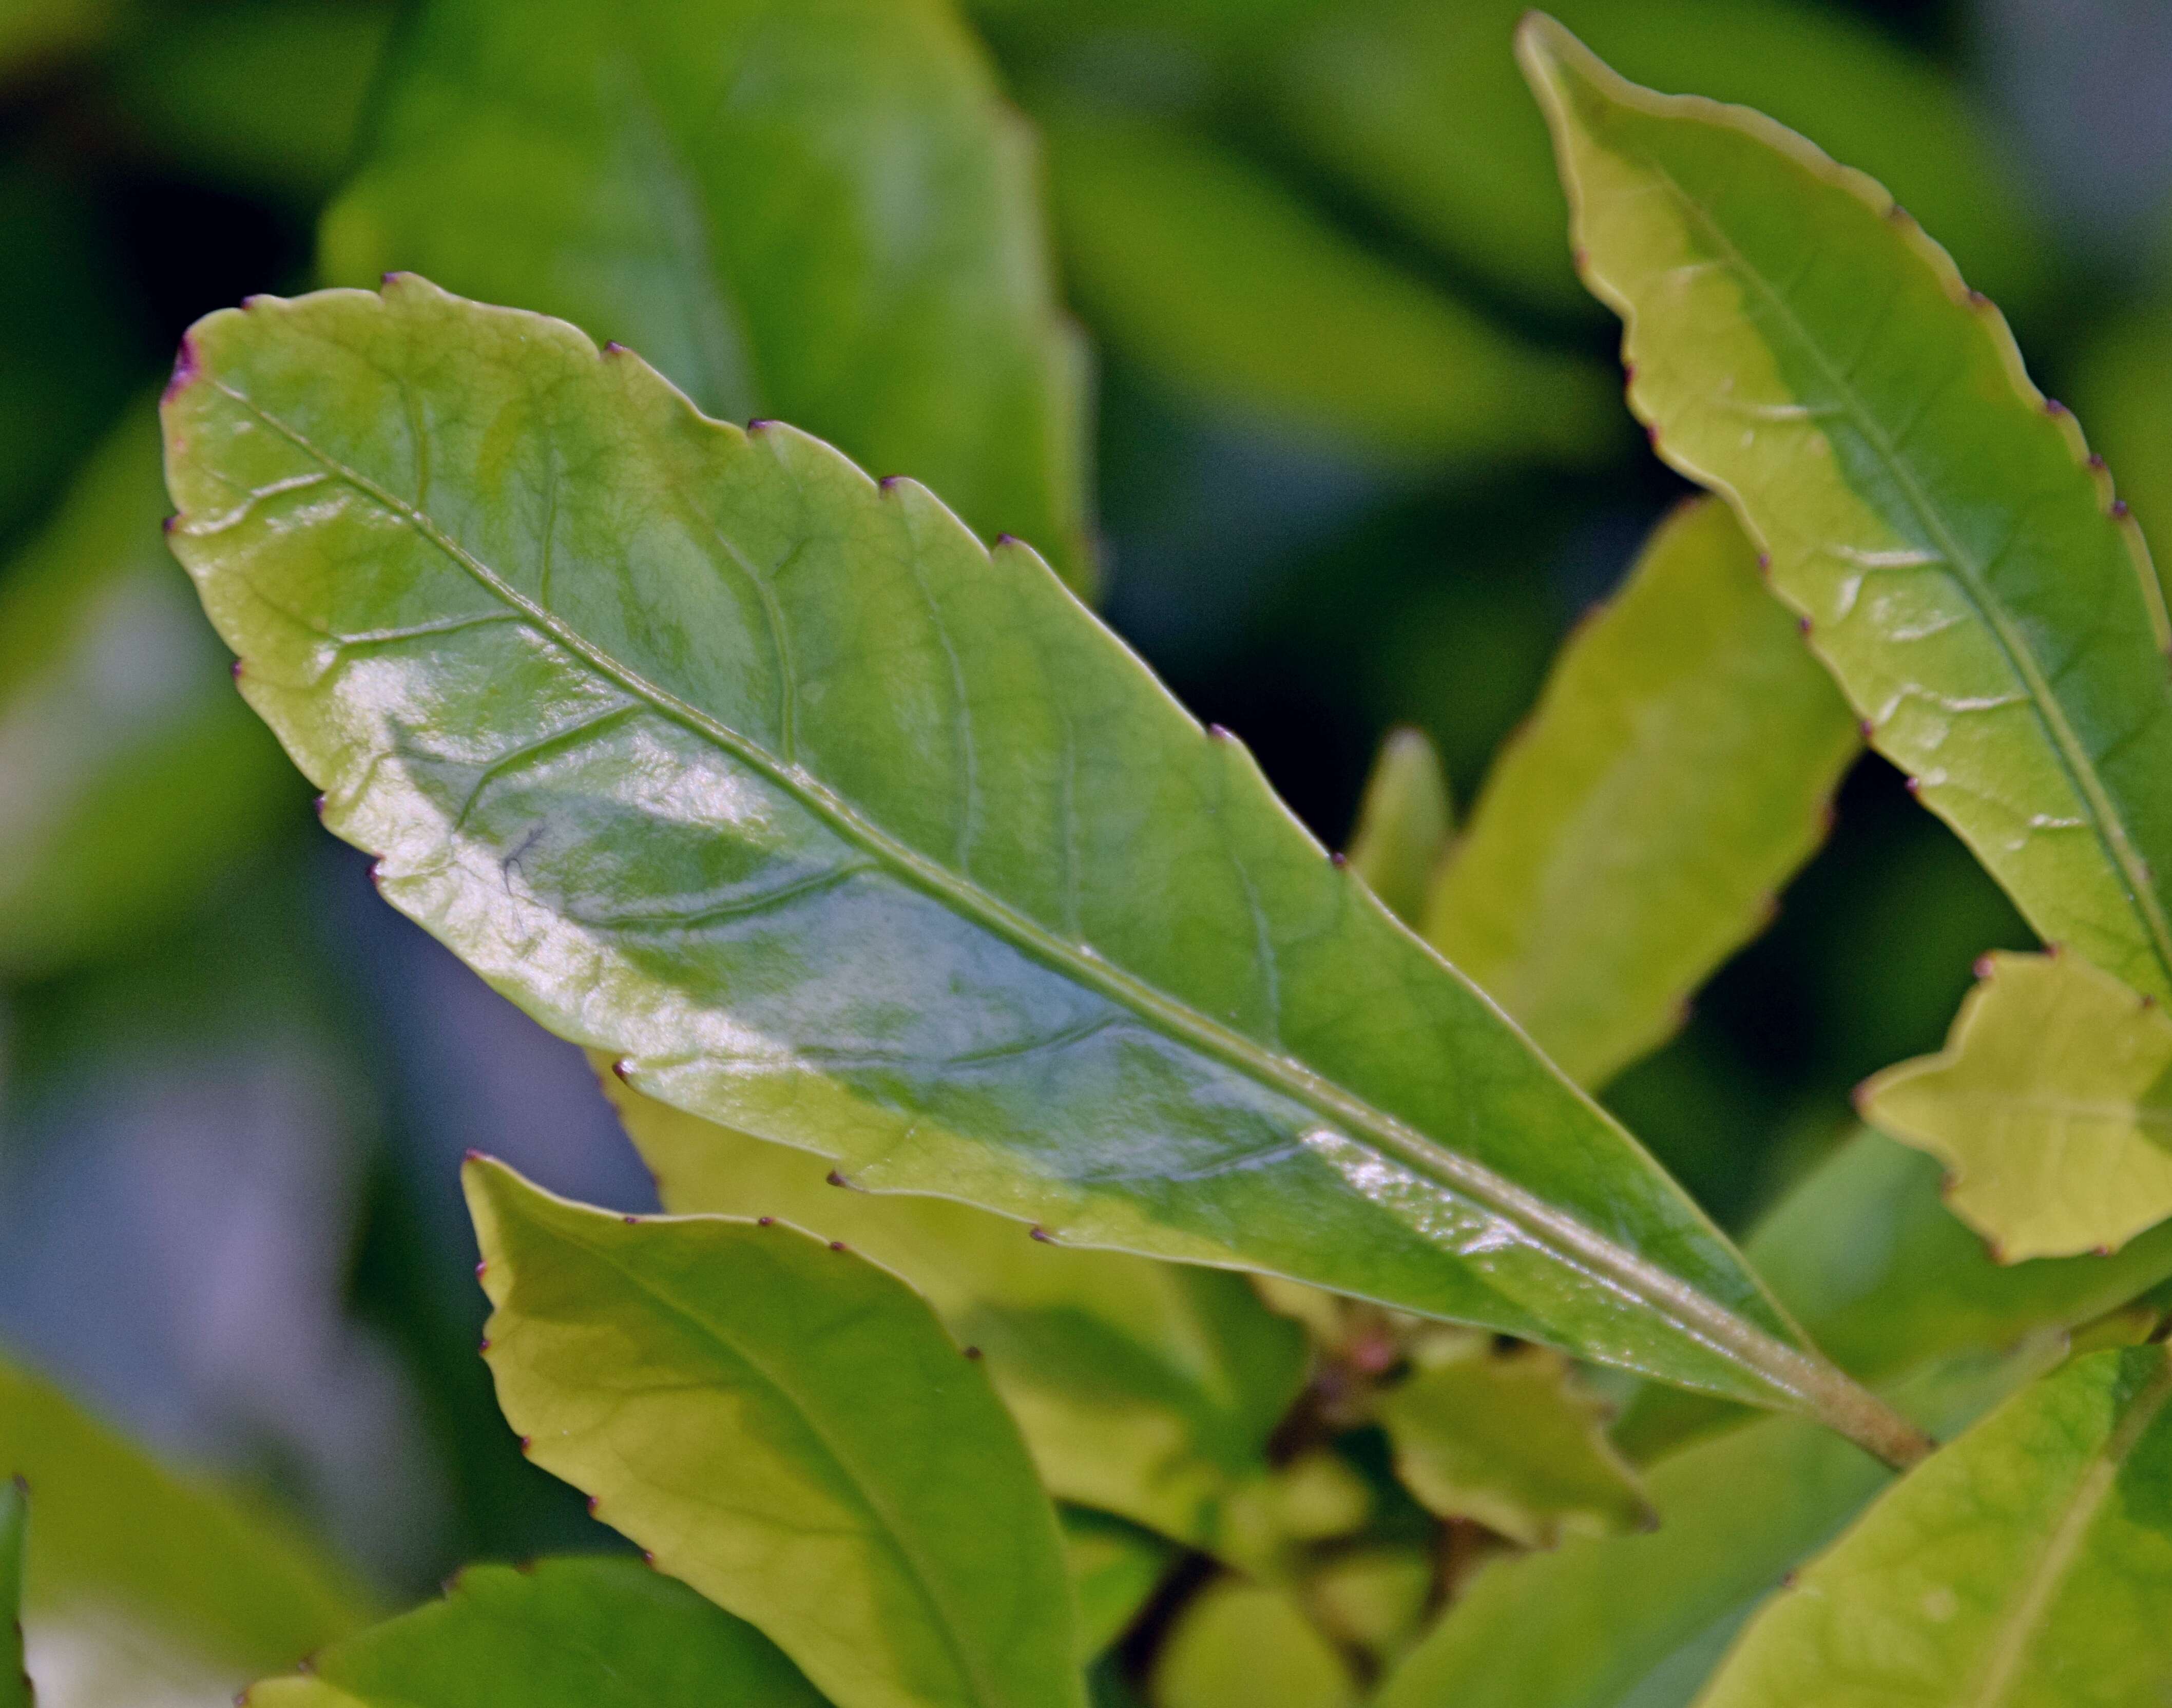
[[481, 1267], [1978, 300], [1915, 786], [1984, 966], [1041, 1234], [1866, 729], [631, 1221], [526, 1442], [759, 424], [836, 1245], [2097, 461], [593, 1504], [833, 1178], [972, 1352], [1217, 732], [484, 1346], [648, 1559], [765, 1222], [620, 1069], [184, 367], [1008, 540], [1765, 563], [613, 347], [235, 669], [2053, 406], [2118, 509], [1803, 626]]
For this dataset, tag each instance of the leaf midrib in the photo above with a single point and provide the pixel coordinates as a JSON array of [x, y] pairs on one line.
[[923, 1578], [2050, 1571], [1782, 1367], [2073, 759]]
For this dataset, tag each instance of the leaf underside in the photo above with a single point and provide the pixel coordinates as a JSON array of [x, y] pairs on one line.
[[841, 831], [1797, 344]]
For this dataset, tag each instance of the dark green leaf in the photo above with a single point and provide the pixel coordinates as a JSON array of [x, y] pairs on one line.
[[1797, 343], [14, 1525], [821, 213], [844, 832], [559, 1634], [786, 1427]]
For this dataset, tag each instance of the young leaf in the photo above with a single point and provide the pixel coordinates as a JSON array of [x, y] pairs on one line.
[[559, 1634], [15, 1690], [1799, 343], [1371, 1599], [1114, 1568], [2049, 1105], [1202, 271], [1638, 1620], [1634, 834], [824, 213], [132, 773], [2027, 1566], [786, 1427], [221, 1585], [842, 831], [1507, 1439], [1403, 822], [1239, 1645], [1145, 1388]]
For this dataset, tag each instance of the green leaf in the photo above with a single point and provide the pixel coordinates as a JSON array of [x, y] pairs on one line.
[[1238, 1645], [2049, 1104], [15, 1690], [1994, 620], [841, 831], [1371, 1599], [1507, 1439], [133, 775], [1114, 1566], [1638, 1620], [1201, 270], [581, 1633], [2027, 1566], [1145, 1388], [1416, 106], [1868, 1258], [204, 1579], [1403, 822], [2122, 381], [1679, 769], [820, 214], [786, 1427], [262, 95]]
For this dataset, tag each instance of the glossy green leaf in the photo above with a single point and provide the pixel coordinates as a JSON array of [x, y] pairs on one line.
[[1145, 1388], [559, 1634], [1404, 818], [1202, 271], [1114, 1566], [124, 1552], [1935, 521], [1679, 768], [1638, 1620], [1867, 1256], [1509, 1439], [2027, 1566], [842, 831], [2049, 1105], [1239, 1645], [14, 1525], [131, 776], [786, 1426], [822, 213], [1416, 106]]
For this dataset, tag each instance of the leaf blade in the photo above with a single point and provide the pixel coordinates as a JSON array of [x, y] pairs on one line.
[[1041, 956], [1404, 819], [2047, 1105], [786, 1426], [2015, 1568], [822, 214], [565, 1633], [1676, 772], [1985, 606]]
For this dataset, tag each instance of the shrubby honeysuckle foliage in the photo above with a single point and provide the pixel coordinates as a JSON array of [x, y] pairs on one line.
[[1111, 1244]]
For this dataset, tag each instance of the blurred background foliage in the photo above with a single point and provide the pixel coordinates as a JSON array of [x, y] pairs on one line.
[[1358, 459]]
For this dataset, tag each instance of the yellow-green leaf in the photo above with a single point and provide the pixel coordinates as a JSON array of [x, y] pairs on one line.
[[1403, 821], [1201, 269], [1239, 1645], [1145, 1388], [1637, 831], [1797, 343], [1507, 1439], [210, 1589], [559, 1634], [1114, 1568], [2027, 1566], [2051, 1105], [821, 213], [786, 1426]]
